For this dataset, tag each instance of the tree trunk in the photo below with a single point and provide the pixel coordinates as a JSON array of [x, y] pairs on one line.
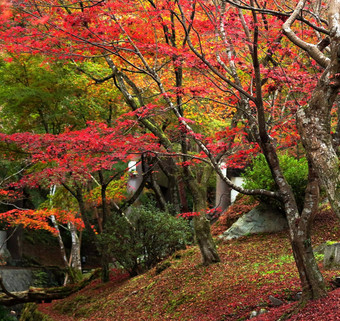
[[62, 251], [75, 249], [312, 282], [105, 274], [205, 241], [299, 223], [314, 128], [314, 120], [202, 228], [46, 294]]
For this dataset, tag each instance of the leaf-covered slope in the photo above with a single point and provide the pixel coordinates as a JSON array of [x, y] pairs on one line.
[[252, 269]]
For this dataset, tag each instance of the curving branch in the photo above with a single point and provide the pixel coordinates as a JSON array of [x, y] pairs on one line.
[[311, 49], [281, 14]]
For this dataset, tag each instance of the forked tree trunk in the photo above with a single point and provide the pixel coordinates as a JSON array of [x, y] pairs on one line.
[[312, 282]]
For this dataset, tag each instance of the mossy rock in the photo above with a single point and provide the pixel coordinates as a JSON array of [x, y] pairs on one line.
[[332, 256]]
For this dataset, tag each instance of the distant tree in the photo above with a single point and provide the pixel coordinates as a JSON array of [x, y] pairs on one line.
[[76, 161], [49, 96]]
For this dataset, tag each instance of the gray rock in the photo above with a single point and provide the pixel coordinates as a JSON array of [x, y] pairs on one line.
[[16, 280], [298, 296], [259, 220], [253, 314], [320, 249], [274, 301], [332, 256]]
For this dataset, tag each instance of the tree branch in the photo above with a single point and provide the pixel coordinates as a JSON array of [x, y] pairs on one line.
[[312, 50]]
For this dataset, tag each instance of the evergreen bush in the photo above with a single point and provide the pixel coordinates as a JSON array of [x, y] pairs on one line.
[[258, 175], [139, 241]]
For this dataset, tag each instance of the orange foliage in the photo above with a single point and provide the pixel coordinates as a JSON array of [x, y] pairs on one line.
[[39, 219]]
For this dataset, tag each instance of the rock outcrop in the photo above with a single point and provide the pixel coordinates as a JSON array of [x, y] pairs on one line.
[[260, 219]]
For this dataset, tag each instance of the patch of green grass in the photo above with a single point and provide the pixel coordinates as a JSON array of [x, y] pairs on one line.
[[286, 259], [30, 313], [177, 301]]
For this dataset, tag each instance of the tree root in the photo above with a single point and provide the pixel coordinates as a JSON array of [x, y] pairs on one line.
[[293, 310]]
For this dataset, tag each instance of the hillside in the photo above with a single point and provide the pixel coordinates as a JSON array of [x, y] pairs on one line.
[[252, 268]]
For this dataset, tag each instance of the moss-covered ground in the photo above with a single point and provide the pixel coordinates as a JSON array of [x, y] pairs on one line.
[[252, 268]]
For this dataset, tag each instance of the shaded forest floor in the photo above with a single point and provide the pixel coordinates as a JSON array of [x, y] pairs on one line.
[[252, 268]]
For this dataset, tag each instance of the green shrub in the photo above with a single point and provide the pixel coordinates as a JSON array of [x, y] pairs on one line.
[[5, 315], [294, 170], [145, 238]]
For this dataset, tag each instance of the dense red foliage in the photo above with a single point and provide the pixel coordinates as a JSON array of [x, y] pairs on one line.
[[70, 158], [73, 156]]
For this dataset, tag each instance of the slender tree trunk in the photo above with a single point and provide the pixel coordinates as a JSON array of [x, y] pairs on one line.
[[205, 241], [299, 223], [105, 274], [75, 249], [61, 247], [313, 285], [174, 192]]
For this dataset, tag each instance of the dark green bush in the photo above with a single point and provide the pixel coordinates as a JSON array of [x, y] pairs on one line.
[[295, 171], [5, 314], [145, 238]]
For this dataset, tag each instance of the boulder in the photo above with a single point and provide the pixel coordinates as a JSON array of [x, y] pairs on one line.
[[332, 256], [16, 279], [260, 219], [275, 301]]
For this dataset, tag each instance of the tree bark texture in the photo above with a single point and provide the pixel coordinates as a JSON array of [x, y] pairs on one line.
[[312, 282], [314, 120], [202, 227], [75, 249]]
